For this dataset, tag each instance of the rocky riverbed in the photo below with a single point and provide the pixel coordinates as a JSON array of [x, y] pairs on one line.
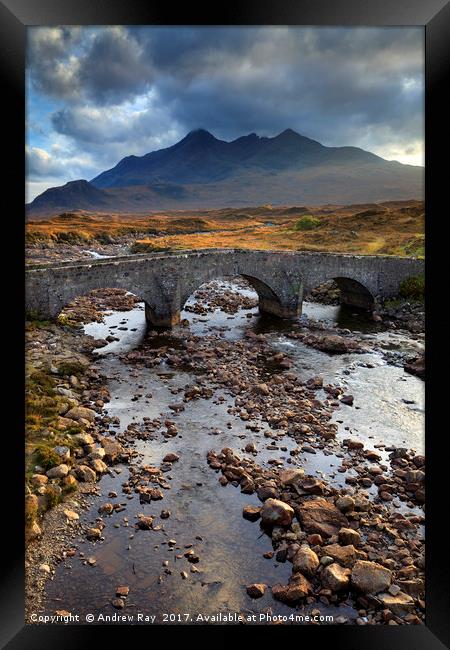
[[259, 468]]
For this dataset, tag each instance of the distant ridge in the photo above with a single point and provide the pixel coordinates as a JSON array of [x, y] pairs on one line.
[[201, 171]]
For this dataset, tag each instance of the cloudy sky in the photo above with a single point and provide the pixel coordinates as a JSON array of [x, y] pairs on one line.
[[95, 95]]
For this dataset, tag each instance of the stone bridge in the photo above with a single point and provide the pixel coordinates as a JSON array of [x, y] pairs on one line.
[[164, 281]]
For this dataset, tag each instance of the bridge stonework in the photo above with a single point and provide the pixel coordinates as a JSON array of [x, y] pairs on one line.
[[164, 281]]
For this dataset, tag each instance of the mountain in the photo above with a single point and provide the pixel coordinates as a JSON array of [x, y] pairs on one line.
[[201, 171]]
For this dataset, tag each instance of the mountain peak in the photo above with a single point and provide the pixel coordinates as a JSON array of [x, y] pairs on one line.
[[199, 135], [288, 134]]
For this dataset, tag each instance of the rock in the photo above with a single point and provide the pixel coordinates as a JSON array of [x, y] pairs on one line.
[[332, 343], [83, 439], [118, 603], [39, 480], [71, 515], [276, 513], [351, 443], [165, 514], [345, 555], [347, 399], [345, 504], [412, 587], [63, 452], [85, 474], [31, 506], [297, 588], [93, 533], [322, 517], [250, 447], [145, 523], [291, 476], [266, 492], [97, 453], [256, 590], [335, 577], [399, 605], [60, 471], [370, 577], [171, 458], [416, 366], [33, 531], [262, 389], [69, 482], [99, 466], [349, 536], [112, 449], [106, 508], [122, 591], [305, 561], [252, 513], [81, 413], [45, 568]]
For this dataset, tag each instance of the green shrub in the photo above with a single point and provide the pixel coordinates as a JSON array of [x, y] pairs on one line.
[[308, 222], [53, 496], [46, 457], [413, 288], [71, 368]]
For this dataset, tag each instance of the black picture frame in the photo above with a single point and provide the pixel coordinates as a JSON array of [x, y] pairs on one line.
[[434, 15]]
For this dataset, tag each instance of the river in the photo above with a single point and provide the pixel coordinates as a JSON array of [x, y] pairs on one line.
[[388, 409]]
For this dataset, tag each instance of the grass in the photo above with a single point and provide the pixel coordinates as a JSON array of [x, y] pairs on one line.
[[307, 222], [390, 228]]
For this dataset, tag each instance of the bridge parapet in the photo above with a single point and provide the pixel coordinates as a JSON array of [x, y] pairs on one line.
[[165, 281]]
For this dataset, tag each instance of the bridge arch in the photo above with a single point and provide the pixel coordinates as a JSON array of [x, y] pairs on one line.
[[352, 292], [268, 299]]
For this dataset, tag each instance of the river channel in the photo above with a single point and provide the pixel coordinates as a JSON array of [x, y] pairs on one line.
[[205, 516]]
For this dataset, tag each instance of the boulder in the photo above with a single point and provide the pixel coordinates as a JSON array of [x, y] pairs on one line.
[[322, 517], [99, 466], [113, 450], [83, 439], [291, 476], [252, 513], [399, 605], [276, 513], [335, 577], [60, 471], [297, 589], [81, 413], [38, 480], [370, 577], [305, 561], [170, 458], [345, 555], [85, 474], [345, 503], [349, 536], [63, 452]]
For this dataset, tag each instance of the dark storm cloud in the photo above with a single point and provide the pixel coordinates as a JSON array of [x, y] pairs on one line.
[[124, 90]]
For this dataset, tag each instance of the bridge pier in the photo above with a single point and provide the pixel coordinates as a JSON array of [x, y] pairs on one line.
[[276, 308], [161, 318]]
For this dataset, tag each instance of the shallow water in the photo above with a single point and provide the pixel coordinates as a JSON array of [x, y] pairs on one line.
[[204, 513]]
